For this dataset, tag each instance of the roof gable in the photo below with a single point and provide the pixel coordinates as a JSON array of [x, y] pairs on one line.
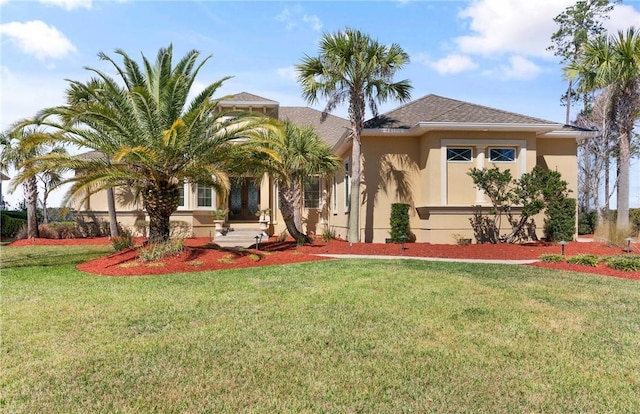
[[245, 97], [434, 108]]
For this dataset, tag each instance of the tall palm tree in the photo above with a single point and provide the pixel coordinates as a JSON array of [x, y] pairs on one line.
[[300, 153], [153, 137], [352, 67], [614, 63], [18, 149]]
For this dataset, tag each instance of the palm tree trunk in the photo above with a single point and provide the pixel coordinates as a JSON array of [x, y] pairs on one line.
[[356, 115], [31, 198], [160, 201], [113, 219], [622, 221], [289, 203]]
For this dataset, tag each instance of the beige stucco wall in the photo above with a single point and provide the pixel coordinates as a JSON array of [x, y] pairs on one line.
[[410, 169], [444, 187]]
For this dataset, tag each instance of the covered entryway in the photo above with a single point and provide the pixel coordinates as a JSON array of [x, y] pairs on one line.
[[244, 199]]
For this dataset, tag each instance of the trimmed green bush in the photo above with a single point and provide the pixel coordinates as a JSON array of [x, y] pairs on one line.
[[584, 259], [399, 222], [560, 222], [11, 226], [634, 219], [627, 262], [587, 222], [551, 258]]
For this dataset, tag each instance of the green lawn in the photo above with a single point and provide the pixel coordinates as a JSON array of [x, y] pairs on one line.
[[328, 336]]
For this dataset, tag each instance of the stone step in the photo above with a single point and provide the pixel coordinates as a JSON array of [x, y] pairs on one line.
[[238, 238]]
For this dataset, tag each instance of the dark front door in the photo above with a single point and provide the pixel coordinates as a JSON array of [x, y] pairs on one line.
[[243, 200]]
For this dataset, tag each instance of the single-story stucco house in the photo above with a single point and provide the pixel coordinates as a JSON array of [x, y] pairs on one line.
[[418, 153]]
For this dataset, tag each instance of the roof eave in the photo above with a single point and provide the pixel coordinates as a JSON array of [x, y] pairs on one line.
[[248, 103], [578, 135], [422, 127]]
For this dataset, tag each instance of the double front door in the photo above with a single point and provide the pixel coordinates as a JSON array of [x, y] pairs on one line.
[[244, 199]]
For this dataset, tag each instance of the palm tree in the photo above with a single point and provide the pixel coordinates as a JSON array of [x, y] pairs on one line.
[[351, 67], [17, 149], [152, 136], [49, 180], [613, 63], [300, 153]]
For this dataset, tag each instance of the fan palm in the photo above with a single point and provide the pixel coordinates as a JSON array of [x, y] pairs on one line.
[[151, 135], [613, 63], [351, 67]]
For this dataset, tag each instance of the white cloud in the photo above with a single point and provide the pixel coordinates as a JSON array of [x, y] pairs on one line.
[[287, 17], [288, 73], [454, 63], [622, 17], [314, 21], [38, 39], [23, 94], [519, 68], [68, 4], [515, 26], [293, 17]]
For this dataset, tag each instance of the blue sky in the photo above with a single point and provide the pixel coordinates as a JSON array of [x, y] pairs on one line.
[[489, 52]]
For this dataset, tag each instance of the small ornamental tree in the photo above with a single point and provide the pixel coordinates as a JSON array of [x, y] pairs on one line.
[[534, 192], [399, 222]]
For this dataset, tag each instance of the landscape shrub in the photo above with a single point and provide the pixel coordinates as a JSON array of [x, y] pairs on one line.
[[158, 251], [11, 225], [122, 242], [66, 230], [46, 231], [608, 232], [19, 214], [627, 262], [561, 220], [587, 222], [535, 191], [328, 234], [584, 259], [399, 222], [551, 258], [634, 220], [179, 229]]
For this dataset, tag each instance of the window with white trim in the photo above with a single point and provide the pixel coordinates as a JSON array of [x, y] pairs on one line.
[[459, 154], [502, 154], [312, 192], [334, 196], [183, 200], [204, 196]]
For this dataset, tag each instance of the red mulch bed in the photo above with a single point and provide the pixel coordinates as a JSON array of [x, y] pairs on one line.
[[200, 255]]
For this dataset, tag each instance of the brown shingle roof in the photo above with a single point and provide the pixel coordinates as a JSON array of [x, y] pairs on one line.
[[434, 108], [248, 97], [330, 130]]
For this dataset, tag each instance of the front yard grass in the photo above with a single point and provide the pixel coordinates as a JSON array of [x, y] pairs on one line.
[[329, 336]]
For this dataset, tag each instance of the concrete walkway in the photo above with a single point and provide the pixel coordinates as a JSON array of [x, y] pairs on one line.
[[430, 259]]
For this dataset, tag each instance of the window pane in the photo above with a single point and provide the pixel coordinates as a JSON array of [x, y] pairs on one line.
[[181, 196], [458, 154], [205, 196], [312, 192], [502, 154]]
